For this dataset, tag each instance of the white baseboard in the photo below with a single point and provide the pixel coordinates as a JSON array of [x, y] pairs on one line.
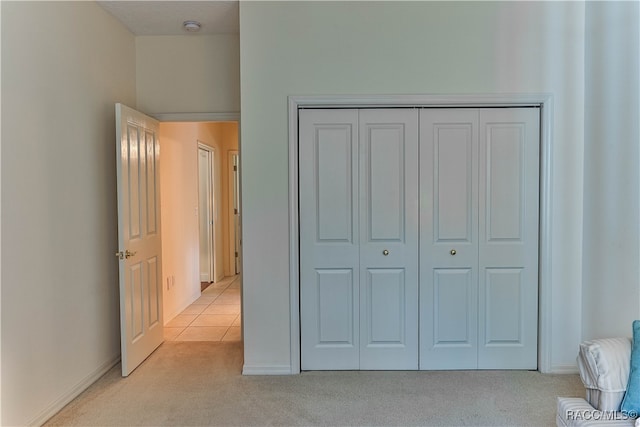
[[286, 369], [266, 370], [564, 369], [72, 393]]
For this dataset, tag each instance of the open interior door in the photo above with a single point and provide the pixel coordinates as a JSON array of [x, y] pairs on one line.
[[137, 159]]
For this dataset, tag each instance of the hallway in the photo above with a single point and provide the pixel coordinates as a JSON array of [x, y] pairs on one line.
[[215, 316]]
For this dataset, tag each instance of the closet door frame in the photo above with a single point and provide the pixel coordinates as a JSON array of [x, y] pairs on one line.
[[542, 100]]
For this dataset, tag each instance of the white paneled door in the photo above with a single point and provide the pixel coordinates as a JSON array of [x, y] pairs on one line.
[[419, 238], [449, 239], [388, 239], [358, 210], [479, 197], [329, 239], [508, 198], [137, 160], [206, 223]]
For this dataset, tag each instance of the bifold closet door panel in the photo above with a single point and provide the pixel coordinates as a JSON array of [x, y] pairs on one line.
[[448, 238], [388, 239], [329, 239], [508, 239]]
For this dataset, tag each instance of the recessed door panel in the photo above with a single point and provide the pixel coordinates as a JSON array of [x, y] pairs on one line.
[[334, 147], [155, 288], [504, 307], [453, 182], [151, 176], [384, 169], [453, 294], [137, 302], [336, 315], [386, 295], [133, 165], [504, 181]]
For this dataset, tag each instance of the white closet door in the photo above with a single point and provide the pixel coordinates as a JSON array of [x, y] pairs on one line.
[[329, 239], [474, 221], [448, 239], [389, 239], [479, 238], [508, 214]]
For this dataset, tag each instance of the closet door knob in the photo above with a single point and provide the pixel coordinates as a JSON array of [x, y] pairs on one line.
[[385, 252], [453, 252]]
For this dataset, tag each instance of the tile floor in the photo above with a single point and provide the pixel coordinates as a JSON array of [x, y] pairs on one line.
[[215, 316]]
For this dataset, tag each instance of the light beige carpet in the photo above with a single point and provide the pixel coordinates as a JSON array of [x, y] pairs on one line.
[[200, 383]]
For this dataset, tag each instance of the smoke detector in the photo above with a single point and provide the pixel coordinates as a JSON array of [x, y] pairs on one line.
[[191, 26]]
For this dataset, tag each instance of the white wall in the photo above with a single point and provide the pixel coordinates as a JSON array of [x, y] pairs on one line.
[[309, 48], [188, 74], [611, 295], [61, 77]]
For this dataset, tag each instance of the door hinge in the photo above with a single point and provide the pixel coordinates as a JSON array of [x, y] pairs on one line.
[[235, 168], [236, 254], [235, 211]]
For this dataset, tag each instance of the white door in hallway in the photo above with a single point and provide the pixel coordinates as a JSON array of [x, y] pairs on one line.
[[140, 265], [206, 209], [358, 239]]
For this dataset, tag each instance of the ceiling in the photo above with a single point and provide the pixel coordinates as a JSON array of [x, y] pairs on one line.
[[165, 18]]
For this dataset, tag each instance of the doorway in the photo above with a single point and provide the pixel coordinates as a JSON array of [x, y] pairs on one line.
[[193, 152]]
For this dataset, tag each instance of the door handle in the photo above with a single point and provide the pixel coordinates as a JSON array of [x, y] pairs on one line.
[[385, 252], [453, 252], [126, 254]]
